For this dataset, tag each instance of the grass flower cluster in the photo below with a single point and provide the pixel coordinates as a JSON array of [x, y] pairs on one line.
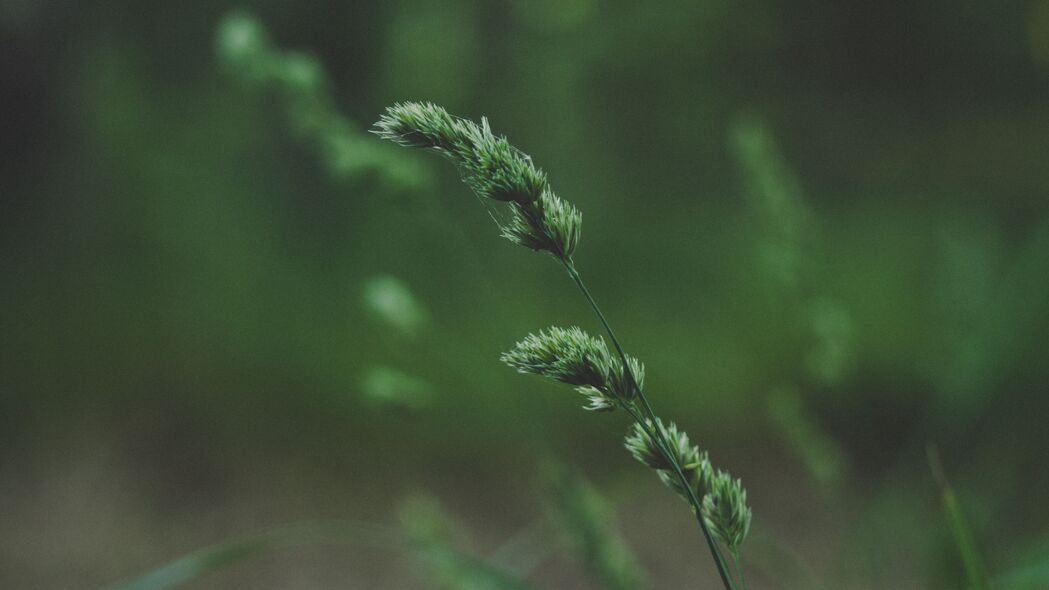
[[572, 356], [495, 170], [607, 377]]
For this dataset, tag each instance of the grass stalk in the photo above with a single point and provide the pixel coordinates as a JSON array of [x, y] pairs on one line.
[[655, 433], [539, 220], [739, 570], [961, 533]]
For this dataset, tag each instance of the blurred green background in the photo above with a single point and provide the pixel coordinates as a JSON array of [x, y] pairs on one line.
[[823, 226]]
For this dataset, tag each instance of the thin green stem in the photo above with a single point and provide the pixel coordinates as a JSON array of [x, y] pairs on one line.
[[656, 433], [739, 568]]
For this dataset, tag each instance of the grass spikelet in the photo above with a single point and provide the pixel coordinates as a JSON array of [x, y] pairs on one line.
[[725, 510], [572, 356], [494, 169]]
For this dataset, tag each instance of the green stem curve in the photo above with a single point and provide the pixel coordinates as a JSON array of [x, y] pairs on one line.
[[655, 433]]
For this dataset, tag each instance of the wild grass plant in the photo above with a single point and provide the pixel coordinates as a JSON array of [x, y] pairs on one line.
[[427, 532], [607, 377], [529, 213]]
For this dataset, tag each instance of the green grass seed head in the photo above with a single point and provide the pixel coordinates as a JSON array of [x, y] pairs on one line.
[[572, 356], [725, 510], [494, 169]]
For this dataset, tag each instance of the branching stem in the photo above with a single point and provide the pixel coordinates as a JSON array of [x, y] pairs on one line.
[[655, 433]]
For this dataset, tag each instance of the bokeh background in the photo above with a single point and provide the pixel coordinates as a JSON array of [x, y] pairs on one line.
[[823, 225]]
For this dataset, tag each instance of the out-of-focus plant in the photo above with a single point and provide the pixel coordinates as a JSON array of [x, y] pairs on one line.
[[536, 218], [961, 532], [399, 314], [1028, 568], [217, 557], [785, 243], [576, 514], [475, 574], [992, 307], [394, 389], [586, 520], [245, 49], [349, 154], [392, 304], [435, 536], [775, 199], [802, 431]]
